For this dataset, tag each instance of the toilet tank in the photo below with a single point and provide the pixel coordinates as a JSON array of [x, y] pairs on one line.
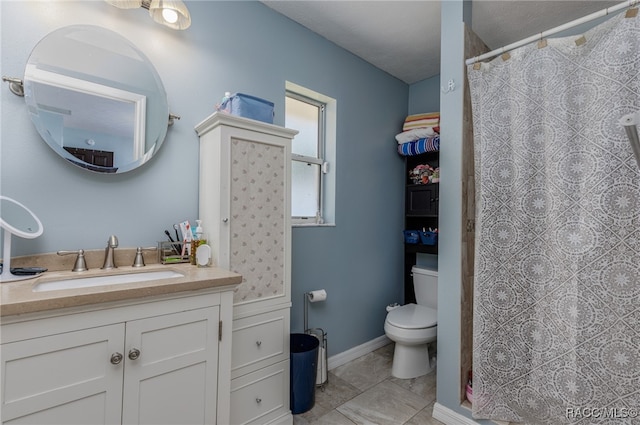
[[425, 285]]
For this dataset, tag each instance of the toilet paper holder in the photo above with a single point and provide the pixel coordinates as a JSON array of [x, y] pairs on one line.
[[322, 376]]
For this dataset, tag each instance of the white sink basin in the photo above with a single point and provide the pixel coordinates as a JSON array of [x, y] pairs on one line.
[[116, 279]]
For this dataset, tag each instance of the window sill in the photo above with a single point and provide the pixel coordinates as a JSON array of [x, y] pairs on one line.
[[313, 225]]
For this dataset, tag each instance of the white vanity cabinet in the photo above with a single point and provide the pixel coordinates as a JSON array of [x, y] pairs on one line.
[[155, 362], [245, 207]]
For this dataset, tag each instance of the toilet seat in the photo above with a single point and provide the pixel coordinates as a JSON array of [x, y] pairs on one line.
[[412, 316], [410, 336]]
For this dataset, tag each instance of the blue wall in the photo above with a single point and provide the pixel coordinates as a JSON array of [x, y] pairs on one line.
[[230, 46], [424, 96]]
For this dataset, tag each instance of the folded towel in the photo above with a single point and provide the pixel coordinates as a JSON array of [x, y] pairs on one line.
[[428, 144], [416, 133], [423, 116], [420, 124], [431, 119]]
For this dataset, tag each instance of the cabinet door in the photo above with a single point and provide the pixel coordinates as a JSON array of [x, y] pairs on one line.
[[171, 368], [422, 200], [67, 378], [260, 212]]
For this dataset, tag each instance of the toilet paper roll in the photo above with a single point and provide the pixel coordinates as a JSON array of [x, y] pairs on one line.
[[319, 295]]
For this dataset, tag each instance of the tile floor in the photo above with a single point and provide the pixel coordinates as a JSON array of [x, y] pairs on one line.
[[364, 392]]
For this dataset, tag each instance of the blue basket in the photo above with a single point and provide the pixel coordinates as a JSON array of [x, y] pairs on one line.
[[429, 238], [247, 106], [411, 236]]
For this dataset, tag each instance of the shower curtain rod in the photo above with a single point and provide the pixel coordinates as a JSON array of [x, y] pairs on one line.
[[631, 123], [563, 27]]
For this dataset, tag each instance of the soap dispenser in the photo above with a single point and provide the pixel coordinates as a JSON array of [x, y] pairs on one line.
[[197, 240], [198, 229]]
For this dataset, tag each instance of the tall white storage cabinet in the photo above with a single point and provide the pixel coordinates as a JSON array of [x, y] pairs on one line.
[[245, 207]]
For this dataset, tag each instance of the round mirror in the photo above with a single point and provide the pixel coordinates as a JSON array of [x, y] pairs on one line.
[[96, 99], [18, 219], [15, 219]]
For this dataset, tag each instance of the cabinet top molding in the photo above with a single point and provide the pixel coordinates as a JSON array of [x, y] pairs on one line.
[[221, 118]]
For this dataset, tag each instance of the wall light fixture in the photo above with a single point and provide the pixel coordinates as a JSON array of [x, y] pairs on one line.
[[172, 13]]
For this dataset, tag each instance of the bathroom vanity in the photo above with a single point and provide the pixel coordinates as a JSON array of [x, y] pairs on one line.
[[245, 203], [144, 352]]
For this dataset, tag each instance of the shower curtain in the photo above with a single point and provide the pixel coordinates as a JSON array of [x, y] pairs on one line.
[[556, 335]]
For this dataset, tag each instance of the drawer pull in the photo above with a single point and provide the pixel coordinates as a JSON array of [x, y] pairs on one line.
[[116, 358], [134, 354], [258, 343], [258, 400]]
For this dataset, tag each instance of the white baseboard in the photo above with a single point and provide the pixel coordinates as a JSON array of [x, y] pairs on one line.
[[450, 417], [358, 351], [286, 419]]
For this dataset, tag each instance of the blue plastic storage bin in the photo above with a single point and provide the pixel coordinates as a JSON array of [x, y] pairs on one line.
[[247, 106], [429, 238], [411, 236], [304, 367]]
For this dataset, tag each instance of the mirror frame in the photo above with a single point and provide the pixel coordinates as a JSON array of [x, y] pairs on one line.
[[11, 229], [4, 224]]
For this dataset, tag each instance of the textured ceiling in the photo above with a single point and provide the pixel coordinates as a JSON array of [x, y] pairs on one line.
[[403, 37]]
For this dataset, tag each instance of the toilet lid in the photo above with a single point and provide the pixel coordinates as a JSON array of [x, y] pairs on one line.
[[413, 316]]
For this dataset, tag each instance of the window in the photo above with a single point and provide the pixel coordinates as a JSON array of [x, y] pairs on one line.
[[311, 180], [306, 116]]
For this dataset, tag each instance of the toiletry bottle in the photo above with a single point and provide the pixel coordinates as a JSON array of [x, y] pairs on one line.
[[224, 103], [198, 239]]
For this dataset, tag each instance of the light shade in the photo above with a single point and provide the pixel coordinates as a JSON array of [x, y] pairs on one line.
[[125, 4], [172, 13]]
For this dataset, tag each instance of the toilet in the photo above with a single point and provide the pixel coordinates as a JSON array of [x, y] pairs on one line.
[[414, 326]]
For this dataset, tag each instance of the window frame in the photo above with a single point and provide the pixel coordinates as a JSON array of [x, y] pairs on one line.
[[319, 161]]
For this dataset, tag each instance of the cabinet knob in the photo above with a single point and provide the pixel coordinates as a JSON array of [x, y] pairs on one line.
[[224, 220], [258, 400], [258, 343], [134, 354], [116, 358]]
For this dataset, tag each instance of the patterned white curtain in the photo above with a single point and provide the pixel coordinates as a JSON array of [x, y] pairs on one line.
[[557, 271]]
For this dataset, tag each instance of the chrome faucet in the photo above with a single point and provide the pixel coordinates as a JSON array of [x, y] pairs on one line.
[[109, 259]]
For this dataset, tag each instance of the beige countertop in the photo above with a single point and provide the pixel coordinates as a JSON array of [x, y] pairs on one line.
[[18, 297]]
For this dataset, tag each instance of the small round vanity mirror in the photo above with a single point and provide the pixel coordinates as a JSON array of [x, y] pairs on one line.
[[15, 219], [96, 99], [18, 219]]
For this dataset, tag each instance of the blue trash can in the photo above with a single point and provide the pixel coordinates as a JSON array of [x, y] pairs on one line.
[[304, 366]]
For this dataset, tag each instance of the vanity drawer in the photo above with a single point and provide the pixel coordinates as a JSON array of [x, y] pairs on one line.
[[259, 341], [261, 397]]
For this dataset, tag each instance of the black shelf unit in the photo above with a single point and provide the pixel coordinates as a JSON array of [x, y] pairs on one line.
[[420, 212]]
